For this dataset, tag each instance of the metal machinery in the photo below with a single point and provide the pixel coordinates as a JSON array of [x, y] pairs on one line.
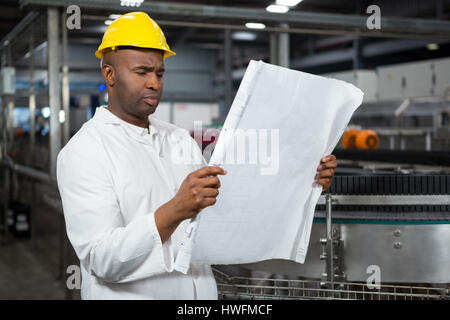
[[408, 124], [387, 212], [395, 225], [407, 105]]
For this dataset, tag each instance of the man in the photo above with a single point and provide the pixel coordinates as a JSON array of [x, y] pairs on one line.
[[126, 202]]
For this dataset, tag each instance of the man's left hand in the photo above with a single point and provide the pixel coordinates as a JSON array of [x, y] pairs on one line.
[[326, 171]]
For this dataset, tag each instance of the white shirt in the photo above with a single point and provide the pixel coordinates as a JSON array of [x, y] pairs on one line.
[[112, 177]]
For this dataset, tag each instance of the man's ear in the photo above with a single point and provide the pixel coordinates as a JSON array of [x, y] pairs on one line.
[[108, 74]]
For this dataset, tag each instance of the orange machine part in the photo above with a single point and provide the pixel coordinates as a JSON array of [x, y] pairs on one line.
[[367, 139], [19, 132], [349, 139]]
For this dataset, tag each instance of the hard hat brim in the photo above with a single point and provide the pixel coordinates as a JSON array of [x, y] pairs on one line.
[[167, 52]]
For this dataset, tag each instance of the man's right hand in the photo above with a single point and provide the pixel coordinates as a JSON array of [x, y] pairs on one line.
[[198, 191]]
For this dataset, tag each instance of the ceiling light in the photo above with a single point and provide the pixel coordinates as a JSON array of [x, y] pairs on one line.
[[433, 46], [45, 111], [108, 22], [62, 116], [131, 3], [277, 9], [114, 16], [255, 25], [242, 35], [289, 3]]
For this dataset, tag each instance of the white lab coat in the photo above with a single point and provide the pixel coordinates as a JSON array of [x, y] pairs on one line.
[[112, 177]]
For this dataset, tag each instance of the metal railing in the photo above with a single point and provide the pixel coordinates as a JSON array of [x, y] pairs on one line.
[[284, 289]]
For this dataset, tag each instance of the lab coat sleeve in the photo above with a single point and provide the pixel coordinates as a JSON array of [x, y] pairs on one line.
[[107, 248]]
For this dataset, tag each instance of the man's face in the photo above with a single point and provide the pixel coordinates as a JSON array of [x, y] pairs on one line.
[[138, 80]]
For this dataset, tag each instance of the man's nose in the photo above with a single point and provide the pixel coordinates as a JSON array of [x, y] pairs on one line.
[[153, 82]]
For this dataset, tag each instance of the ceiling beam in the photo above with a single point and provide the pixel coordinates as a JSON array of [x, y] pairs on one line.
[[18, 28], [325, 21], [367, 51]]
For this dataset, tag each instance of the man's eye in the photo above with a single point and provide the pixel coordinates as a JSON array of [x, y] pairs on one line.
[[140, 73], [160, 75]]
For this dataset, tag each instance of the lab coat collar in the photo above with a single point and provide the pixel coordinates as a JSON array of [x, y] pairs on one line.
[[105, 116]]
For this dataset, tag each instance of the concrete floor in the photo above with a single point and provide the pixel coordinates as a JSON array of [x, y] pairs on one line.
[[30, 268]]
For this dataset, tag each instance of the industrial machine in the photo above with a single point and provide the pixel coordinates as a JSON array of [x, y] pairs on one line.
[[407, 124], [407, 105], [382, 231], [391, 226]]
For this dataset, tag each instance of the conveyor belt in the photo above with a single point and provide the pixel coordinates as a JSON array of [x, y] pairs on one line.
[[390, 185], [438, 158]]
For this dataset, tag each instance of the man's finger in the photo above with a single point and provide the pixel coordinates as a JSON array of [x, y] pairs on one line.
[[208, 192], [208, 202], [208, 171], [327, 173], [212, 182], [328, 165], [324, 181], [328, 158]]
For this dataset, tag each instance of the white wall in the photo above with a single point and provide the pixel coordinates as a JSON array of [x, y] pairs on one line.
[[395, 82], [184, 114], [366, 80]]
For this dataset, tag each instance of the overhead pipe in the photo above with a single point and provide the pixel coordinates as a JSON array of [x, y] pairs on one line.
[[329, 21]]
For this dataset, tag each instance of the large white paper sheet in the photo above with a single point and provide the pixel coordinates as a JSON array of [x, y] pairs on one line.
[[267, 200]]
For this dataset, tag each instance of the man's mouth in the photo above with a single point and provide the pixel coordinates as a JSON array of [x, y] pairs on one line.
[[151, 100]]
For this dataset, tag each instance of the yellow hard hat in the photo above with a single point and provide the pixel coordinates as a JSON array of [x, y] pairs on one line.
[[134, 29]]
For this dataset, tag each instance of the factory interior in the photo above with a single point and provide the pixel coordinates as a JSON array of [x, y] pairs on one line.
[[388, 207]]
